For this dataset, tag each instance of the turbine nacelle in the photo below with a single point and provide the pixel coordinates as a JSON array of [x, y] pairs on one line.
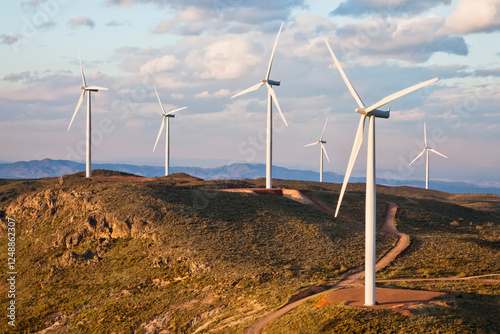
[[168, 115], [377, 112], [92, 88], [87, 89], [272, 82]]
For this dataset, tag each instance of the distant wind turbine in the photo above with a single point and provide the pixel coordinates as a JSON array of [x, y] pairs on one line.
[[426, 150], [321, 142], [166, 116], [370, 205], [271, 96], [89, 124]]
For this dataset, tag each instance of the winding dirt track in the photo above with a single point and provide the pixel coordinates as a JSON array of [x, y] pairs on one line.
[[353, 277]]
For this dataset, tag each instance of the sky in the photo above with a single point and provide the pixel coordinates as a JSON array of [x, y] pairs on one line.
[[198, 53]]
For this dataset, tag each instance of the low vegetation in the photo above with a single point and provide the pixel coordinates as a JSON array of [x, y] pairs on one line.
[[120, 254]]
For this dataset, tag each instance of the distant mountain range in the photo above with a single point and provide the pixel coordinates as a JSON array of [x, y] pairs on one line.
[[54, 168]]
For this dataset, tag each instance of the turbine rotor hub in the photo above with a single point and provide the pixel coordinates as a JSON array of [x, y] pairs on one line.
[[361, 111]]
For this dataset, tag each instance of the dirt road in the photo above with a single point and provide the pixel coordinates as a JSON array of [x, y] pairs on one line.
[[350, 279]]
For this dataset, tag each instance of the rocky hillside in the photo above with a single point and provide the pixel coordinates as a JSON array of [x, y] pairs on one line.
[[125, 254]]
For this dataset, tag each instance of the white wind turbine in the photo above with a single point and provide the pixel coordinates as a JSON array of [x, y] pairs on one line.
[[166, 116], [426, 149], [370, 205], [321, 142], [85, 89], [271, 96]]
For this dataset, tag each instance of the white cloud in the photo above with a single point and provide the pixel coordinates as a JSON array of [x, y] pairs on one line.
[[229, 11], [222, 92], [162, 64], [95, 74], [202, 95], [474, 16], [125, 91], [177, 96], [29, 95], [23, 76], [171, 81], [136, 123], [228, 58], [408, 115], [409, 40], [192, 14]]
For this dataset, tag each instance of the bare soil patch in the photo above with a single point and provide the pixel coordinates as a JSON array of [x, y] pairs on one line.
[[399, 300]]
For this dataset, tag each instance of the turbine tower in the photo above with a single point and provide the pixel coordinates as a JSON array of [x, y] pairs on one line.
[[321, 142], [85, 89], [370, 205], [271, 96], [426, 150], [166, 116]]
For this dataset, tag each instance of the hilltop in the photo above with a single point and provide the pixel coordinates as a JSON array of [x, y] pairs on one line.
[[123, 253]]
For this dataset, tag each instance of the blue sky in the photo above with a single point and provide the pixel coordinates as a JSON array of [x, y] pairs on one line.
[[199, 53]]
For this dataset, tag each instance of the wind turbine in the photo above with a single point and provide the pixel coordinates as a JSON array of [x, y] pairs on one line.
[[426, 150], [166, 116], [321, 142], [271, 96], [370, 205], [85, 89]]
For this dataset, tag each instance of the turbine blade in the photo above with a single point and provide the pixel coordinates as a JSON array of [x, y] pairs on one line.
[[425, 135], [275, 99], [251, 89], [323, 148], [178, 109], [272, 54], [159, 101], [344, 76], [324, 128], [311, 144], [97, 87], [76, 109], [354, 153], [399, 94], [418, 156], [159, 133], [432, 150], [81, 69]]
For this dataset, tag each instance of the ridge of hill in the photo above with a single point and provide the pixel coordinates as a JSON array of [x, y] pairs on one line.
[[236, 171], [111, 253]]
